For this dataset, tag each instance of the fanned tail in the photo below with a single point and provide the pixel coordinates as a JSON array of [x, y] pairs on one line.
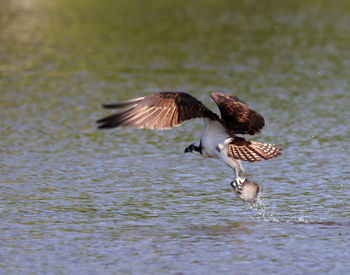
[[251, 151]]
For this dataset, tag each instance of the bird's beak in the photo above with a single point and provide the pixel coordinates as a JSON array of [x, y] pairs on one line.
[[187, 150]]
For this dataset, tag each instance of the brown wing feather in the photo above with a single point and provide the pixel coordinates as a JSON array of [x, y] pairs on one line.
[[157, 111], [238, 117], [251, 151]]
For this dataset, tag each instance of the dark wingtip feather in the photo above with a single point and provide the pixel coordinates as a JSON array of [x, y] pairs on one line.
[[103, 127], [107, 125], [122, 104], [114, 105], [108, 122]]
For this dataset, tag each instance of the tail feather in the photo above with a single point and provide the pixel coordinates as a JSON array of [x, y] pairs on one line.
[[251, 151]]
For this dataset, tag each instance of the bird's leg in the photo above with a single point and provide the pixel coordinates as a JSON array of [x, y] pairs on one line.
[[235, 164], [239, 171]]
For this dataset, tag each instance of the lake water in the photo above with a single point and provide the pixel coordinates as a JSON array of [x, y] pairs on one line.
[[126, 201]]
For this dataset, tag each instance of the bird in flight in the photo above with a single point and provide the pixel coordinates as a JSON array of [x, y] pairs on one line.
[[219, 139]]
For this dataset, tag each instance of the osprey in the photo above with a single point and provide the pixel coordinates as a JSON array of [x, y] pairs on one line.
[[219, 139]]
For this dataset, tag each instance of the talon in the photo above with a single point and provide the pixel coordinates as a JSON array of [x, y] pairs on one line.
[[239, 183]]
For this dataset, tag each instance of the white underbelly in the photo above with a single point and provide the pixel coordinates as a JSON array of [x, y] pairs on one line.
[[214, 136]]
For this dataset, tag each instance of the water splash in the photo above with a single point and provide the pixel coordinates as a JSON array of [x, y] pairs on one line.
[[263, 211]]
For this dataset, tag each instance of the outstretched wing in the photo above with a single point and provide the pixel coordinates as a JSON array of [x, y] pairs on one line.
[[251, 151], [157, 111], [237, 116]]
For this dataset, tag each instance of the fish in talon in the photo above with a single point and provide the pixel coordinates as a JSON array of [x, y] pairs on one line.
[[250, 191]]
